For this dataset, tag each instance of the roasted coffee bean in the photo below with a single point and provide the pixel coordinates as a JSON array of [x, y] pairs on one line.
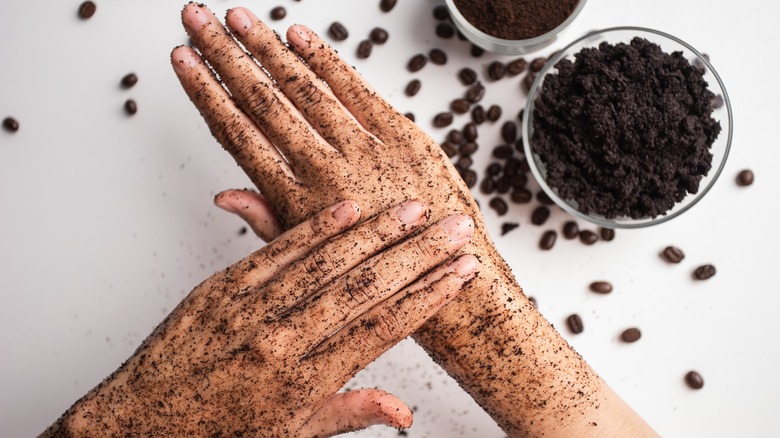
[[413, 87], [601, 287], [540, 215], [509, 131], [607, 234], [438, 56], [337, 31], [478, 114], [631, 335], [493, 169], [672, 254], [528, 81], [745, 178], [442, 119], [518, 181], [519, 145], [487, 186], [521, 196], [10, 124], [571, 230], [516, 67], [704, 272], [694, 380], [544, 198], [496, 70], [588, 237], [409, 116], [467, 76], [445, 30], [716, 102], [503, 185], [450, 149], [524, 166], [460, 106], [508, 226], [477, 51], [464, 162], [440, 12], [511, 167], [364, 49], [520, 115], [575, 323], [475, 93], [455, 137], [469, 148], [129, 80], [278, 13], [87, 10], [499, 205], [470, 131], [494, 113], [470, 178], [131, 107], [460, 35], [378, 35], [417, 62], [536, 65], [503, 151], [548, 240], [387, 5]]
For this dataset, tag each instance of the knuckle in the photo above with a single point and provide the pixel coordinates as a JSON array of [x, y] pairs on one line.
[[318, 266], [387, 327], [363, 286]]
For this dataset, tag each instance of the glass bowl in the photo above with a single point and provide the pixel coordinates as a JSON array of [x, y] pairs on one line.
[[508, 47], [719, 148]]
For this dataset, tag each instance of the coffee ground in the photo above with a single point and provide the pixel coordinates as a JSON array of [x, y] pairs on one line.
[[625, 129], [513, 19]]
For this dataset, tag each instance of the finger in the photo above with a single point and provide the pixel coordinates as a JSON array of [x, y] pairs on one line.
[[304, 89], [376, 279], [255, 92], [328, 262], [364, 339], [354, 410], [253, 209]]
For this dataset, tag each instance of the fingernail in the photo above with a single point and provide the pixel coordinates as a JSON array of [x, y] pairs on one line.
[[458, 227], [411, 212], [225, 202], [299, 36], [240, 20], [345, 212], [465, 266], [195, 16], [183, 59]]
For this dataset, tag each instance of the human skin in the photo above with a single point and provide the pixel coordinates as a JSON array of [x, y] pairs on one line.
[[341, 140]]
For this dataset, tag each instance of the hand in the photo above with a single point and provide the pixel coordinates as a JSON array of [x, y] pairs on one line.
[[316, 132], [261, 348]]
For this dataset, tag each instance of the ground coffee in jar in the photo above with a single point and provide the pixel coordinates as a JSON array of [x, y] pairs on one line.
[[513, 19]]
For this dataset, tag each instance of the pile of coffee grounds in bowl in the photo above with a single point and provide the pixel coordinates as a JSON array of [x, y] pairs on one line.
[[516, 20], [624, 130]]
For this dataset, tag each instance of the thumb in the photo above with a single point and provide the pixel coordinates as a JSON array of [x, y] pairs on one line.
[[253, 209], [355, 410]]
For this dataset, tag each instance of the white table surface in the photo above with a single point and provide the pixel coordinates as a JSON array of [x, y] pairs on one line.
[[107, 220]]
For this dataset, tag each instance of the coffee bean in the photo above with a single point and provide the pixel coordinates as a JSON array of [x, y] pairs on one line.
[[470, 178], [511, 167], [499, 205], [509, 131], [442, 119], [631, 335], [544, 198], [540, 215], [520, 114], [588, 237], [469, 148], [536, 65], [496, 70], [467, 76], [503, 151], [575, 323], [694, 380], [440, 12], [745, 178], [478, 114], [672, 254], [464, 162], [438, 56], [278, 13], [528, 81], [417, 62], [337, 31], [704, 272], [475, 93], [524, 166], [129, 80], [455, 137], [460, 106], [516, 67], [519, 145], [548, 240], [445, 30], [470, 131], [378, 35], [493, 169], [571, 230], [10, 124], [460, 35], [503, 185], [364, 49], [413, 87], [487, 186], [386, 5], [494, 113], [450, 149], [508, 226], [477, 51], [601, 287], [87, 9], [131, 107], [521, 196], [409, 116], [518, 181], [607, 234]]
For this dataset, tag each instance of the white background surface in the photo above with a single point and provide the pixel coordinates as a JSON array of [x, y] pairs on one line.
[[107, 222]]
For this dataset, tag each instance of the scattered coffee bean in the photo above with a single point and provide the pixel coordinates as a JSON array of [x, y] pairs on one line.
[[588, 237], [601, 287], [524, 166], [129, 80], [469, 148], [509, 131], [528, 81], [487, 186], [87, 10], [378, 35], [607, 234], [131, 107], [694, 380], [672, 254], [442, 119], [575, 323], [493, 169], [386, 5], [503, 184], [704, 272], [364, 49], [470, 131], [470, 178], [438, 56], [460, 106], [571, 230], [464, 162], [467, 76], [745, 178], [417, 62], [631, 335], [494, 113], [503, 151], [10, 124], [337, 31], [449, 149], [548, 240], [440, 12], [409, 116], [536, 65], [518, 181], [521, 196], [499, 205], [544, 198], [278, 13], [512, 167], [445, 30], [478, 114], [496, 70], [413, 87], [540, 215], [508, 226], [516, 67], [475, 93], [477, 51], [455, 137]]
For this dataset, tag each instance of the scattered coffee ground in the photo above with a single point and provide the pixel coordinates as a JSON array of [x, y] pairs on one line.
[[571, 230], [387, 5], [417, 62], [438, 56], [87, 10], [378, 35], [694, 380], [745, 178], [672, 254], [364, 49], [445, 30], [635, 140], [129, 80], [516, 20], [575, 323], [601, 287], [413, 87], [10, 124], [278, 13], [548, 240], [607, 234], [588, 237], [131, 107], [507, 226], [631, 335], [337, 31], [704, 272]]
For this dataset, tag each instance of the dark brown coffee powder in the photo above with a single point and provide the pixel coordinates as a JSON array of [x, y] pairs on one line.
[[516, 20]]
